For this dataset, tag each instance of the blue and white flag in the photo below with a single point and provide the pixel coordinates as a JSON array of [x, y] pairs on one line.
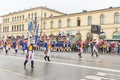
[[36, 34], [30, 27]]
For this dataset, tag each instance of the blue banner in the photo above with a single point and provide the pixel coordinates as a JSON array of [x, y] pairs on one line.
[[30, 27]]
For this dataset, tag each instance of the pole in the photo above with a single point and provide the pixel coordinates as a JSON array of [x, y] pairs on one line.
[[41, 21]]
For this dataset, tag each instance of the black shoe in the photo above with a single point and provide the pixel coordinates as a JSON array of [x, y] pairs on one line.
[[32, 63], [80, 56], [45, 58], [48, 58], [96, 55], [25, 63], [32, 67]]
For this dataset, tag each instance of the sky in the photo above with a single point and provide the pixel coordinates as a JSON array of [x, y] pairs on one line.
[[66, 6]]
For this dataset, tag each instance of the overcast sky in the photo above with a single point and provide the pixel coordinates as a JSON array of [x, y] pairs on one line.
[[66, 6]]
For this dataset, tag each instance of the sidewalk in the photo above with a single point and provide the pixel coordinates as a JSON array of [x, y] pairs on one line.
[[106, 58]]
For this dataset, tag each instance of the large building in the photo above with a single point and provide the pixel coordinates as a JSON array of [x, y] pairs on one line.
[[55, 22]]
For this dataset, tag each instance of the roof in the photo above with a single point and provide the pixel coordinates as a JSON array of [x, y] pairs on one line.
[[33, 9], [85, 12]]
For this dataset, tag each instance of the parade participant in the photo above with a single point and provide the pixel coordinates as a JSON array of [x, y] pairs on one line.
[[47, 51], [16, 49], [80, 49], [94, 49], [119, 48], [25, 48], [7, 47], [29, 56]]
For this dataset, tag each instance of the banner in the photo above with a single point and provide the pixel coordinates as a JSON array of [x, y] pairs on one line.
[[96, 29], [36, 34]]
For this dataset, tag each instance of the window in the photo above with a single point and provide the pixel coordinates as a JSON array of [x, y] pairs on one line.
[[44, 25], [13, 19], [12, 28], [36, 14], [102, 35], [78, 21], [17, 18], [116, 17], [89, 20], [22, 27], [51, 24], [51, 15], [20, 18], [17, 27], [70, 32], [0, 29], [8, 19], [32, 15], [23, 17], [28, 16], [3, 29], [45, 15], [89, 36], [59, 23], [68, 22], [8, 29], [116, 35], [102, 19]]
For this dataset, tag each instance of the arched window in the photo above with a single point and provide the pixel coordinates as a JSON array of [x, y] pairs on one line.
[[51, 24], [32, 15], [22, 27], [28, 16], [35, 14], [59, 23], [44, 25], [20, 18], [45, 15], [70, 32], [17, 18], [8, 29], [102, 35], [63, 33], [23, 17], [12, 28], [89, 20], [102, 19], [0, 29], [116, 18], [78, 21], [89, 36], [68, 22], [116, 35], [15, 28]]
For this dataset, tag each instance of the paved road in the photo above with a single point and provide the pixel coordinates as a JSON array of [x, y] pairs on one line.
[[87, 68]]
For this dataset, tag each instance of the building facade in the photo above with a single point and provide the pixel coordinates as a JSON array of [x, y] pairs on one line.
[[55, 22]]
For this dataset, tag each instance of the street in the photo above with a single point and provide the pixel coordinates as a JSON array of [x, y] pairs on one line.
[[92, 68]]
